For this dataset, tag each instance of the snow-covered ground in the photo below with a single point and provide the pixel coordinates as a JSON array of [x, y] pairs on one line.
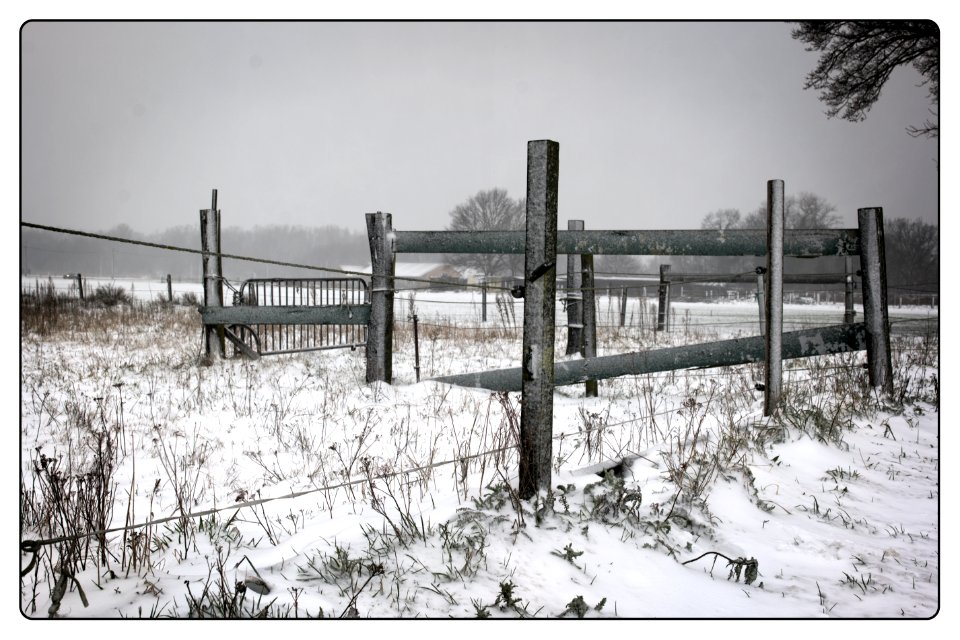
[[395, 501]]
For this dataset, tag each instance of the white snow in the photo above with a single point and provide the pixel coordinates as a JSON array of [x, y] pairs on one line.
[[838, 530]]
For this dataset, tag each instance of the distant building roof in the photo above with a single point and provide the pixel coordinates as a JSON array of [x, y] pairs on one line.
[[414, 269]]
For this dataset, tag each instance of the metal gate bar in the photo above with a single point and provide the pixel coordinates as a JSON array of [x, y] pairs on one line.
[[280, 332]]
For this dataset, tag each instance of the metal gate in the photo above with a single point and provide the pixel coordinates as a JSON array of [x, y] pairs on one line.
[[272, 339]]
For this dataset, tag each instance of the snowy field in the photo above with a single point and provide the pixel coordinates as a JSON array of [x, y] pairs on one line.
[[287, 487], [142, 289]]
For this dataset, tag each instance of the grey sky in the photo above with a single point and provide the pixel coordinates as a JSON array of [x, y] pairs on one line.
[[317, 123]]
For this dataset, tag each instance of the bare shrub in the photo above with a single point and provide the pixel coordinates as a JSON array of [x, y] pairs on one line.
[[110, 295]]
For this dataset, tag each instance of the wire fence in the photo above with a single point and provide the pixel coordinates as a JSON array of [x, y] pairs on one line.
[[824, 372], [616, 314], [711, 319]]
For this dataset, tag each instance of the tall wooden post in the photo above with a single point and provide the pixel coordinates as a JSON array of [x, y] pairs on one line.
[[760, 299], [380, 326], [169, 289], [849, 315], [589, 318], [662, 307], [773, 292], [80, 285], [875, 314], [214, 339], [574, 296], [483, 299], [623, 307], [540, 269], [416, 348]]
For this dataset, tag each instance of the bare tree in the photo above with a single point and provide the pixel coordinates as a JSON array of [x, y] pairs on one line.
[[721, 219], [912, 250], [491, 210], [803, 211], [809, 211], [857, 58]]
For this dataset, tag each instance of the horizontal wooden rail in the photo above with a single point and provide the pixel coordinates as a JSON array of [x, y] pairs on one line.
[[796, 344], [805, 243], [354, 314], [788, 278]]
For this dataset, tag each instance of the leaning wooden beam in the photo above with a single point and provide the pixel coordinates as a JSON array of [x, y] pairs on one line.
[[805, 243], [796, 344], [240, 344]]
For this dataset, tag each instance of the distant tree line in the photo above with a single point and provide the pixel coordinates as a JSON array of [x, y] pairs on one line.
[[45, 252], [912, 247]]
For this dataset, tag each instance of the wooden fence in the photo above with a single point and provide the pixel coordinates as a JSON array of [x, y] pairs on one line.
[[541, 242]]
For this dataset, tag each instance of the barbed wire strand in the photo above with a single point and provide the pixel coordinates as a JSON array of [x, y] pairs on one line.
[[230, 256]]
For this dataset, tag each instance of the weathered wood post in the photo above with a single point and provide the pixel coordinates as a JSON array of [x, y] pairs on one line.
[[80, 285], [760, 303], [214, 340], [773, 292], [169, 289], [662, 311], [874, 273], [623, 306], [540, 282], [574, 296], [849, 314], [483, 299], [589, 318], [416, 348], [380, 326]]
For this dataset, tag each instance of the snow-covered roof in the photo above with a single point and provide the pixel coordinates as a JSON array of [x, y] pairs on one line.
[[410, 269]]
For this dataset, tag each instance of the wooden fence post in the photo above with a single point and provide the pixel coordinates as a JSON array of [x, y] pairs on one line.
[[760, 303], [773, 292], [80, 285], [483, 299], [875, 315], [662, 307], [540, 282], [589, 318], [849, 315], [574, 296], [623, 306], [416, 348], [380, 328], [214, 339], [169, 289]]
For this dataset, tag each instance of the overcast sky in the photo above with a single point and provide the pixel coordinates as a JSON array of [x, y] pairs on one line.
[[315, 123]]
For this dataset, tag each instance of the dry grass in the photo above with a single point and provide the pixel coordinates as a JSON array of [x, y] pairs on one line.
[[120, 424]]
